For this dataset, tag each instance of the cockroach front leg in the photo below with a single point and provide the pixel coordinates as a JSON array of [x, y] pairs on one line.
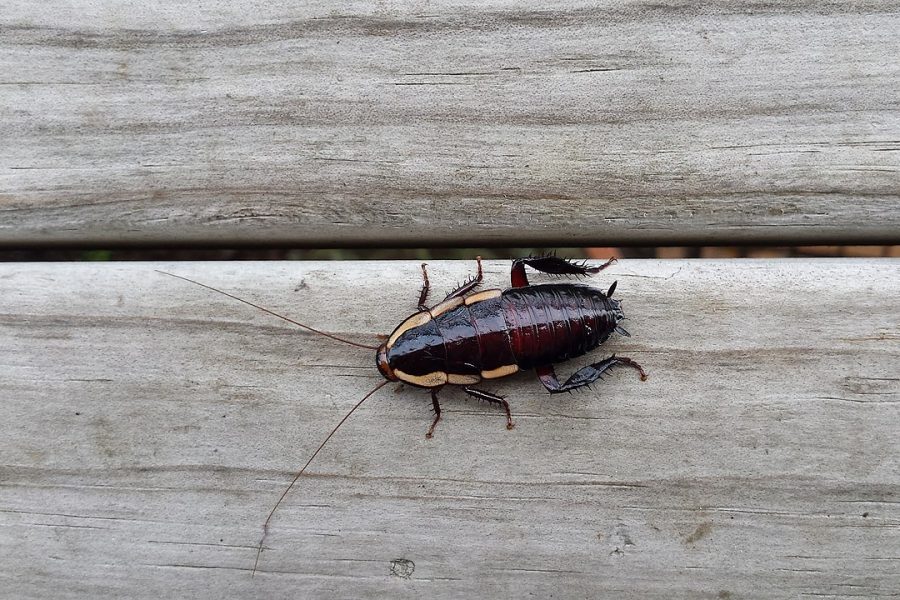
[[437, 412], [469, 284], [584, 376], [552, 265], [493, 399], [426, 286]]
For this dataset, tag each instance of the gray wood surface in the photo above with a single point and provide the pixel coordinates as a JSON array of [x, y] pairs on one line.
[[148, 426], [503, 123]]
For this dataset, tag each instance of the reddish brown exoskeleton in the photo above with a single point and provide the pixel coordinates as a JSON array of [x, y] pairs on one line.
[[472, 336], [468, 338]]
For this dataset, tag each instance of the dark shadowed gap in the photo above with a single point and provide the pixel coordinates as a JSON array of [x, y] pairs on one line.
[[253, 253]]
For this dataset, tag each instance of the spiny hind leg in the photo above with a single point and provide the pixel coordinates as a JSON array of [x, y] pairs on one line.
[[552, 265], [493, 399], [586, 375], [437, 412], [469, 285], [426, 286]]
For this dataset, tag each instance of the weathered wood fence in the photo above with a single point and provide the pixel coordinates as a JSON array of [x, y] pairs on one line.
[[442, 123], [148, 425]]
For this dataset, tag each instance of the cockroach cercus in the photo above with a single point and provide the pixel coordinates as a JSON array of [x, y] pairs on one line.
[[472, 336]]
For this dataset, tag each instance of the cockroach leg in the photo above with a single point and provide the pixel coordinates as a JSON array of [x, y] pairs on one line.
[[552, 265], [469, 285], [493, 399], [623, 360], [426, 286], [437, 412], [584, 376]]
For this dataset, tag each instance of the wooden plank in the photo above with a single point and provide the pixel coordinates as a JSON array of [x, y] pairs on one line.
[[500, 123], [149, 425]]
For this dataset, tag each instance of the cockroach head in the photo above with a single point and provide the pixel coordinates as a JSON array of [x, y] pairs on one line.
[[384, 367]]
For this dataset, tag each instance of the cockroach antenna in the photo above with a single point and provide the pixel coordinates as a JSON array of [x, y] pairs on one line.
[[266, 310], [290, 486], [299, 473]]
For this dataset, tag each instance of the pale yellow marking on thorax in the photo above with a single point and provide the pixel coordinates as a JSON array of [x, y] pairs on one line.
[[416, 320], [445, 306], [434, 379], [455, 379], [485, 295], [500, 372]]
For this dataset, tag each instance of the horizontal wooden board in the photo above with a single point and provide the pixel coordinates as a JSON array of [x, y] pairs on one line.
[[445, 123], [149, 425]]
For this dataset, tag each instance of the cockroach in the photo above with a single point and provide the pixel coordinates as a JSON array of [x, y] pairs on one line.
[[472, 336]]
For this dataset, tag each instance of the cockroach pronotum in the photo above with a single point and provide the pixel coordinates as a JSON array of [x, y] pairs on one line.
[[470, 337]]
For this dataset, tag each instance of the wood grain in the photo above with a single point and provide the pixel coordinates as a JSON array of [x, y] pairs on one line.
[[148, 426], [446, 123]]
